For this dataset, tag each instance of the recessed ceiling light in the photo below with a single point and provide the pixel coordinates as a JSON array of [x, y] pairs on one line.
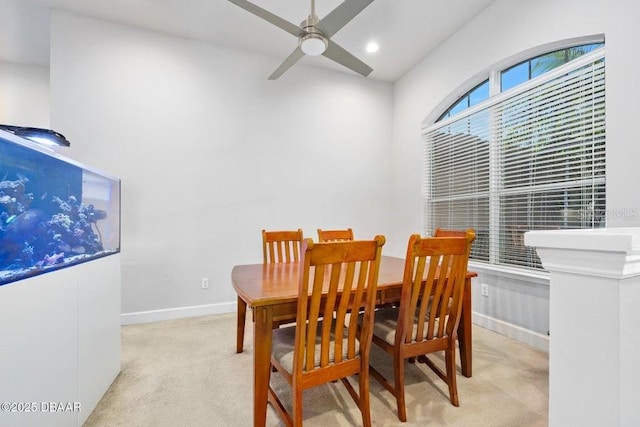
[[372, 47]]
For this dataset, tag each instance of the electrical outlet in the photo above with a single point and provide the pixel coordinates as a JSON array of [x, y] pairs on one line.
[[484, 290], [205, 283]]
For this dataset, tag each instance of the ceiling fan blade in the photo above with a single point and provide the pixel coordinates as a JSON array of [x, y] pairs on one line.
[[288, 63], [268, 16], [341, 56], [341, 15]]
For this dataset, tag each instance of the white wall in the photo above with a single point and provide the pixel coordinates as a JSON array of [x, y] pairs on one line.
[[210, 152], [24, 95], [504, 29]]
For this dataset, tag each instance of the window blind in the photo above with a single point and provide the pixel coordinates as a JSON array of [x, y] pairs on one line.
[[532, 158], [458, 190]]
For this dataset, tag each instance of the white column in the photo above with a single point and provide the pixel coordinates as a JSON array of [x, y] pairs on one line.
[[594, 350]]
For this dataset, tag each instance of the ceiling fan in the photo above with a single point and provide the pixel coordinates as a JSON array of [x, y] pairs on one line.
[[314, 36]]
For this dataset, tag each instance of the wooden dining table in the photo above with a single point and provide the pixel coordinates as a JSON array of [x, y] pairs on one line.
[[272, 292]]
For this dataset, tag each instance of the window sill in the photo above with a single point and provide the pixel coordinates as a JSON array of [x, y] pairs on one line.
[[541, 277]]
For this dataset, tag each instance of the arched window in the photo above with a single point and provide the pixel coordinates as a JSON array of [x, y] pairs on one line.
[[529, 155], [474, 96], [534, 67]]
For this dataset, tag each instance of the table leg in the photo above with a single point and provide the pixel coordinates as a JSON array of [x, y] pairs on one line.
[[263, 328], [242, 315], [464, 331]]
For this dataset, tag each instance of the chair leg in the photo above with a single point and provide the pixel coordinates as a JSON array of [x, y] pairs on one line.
[[273, 398], [365, 405], [398, 373], [297, 407], [242, 315], [450, 358]]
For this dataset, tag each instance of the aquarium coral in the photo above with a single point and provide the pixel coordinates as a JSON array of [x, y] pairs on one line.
[[14, 200], [71, 228], [29, 237]]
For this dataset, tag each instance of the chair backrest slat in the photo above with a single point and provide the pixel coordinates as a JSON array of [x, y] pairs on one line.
[[314, 315], [344, 305], [357, 301], [337, 278]]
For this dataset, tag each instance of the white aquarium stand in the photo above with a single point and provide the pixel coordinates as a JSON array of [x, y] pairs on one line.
[[59, 343], [594, 350]]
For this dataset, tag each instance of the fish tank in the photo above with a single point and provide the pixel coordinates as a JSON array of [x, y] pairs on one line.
[[54, 211]]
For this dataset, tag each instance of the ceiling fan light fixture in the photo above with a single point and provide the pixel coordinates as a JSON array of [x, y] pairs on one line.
[[372, 47], [313, 44], [314, 35]]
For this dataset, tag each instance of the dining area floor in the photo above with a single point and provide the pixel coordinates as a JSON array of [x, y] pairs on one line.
[[186, 372]]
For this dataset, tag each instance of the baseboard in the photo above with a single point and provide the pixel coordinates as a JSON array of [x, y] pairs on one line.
[[177, 313], [519, 333]]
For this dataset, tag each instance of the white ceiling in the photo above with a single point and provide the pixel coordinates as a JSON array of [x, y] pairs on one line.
[[406, 30]]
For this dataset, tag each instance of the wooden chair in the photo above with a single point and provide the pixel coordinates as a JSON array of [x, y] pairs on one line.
[[336, 278], [335, 235], [430, 306], [277, 246], [442, 232]]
